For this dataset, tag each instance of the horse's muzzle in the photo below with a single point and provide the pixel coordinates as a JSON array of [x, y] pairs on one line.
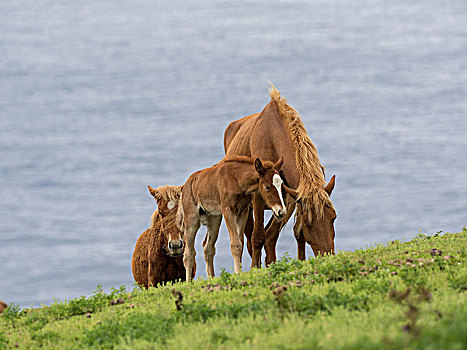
[[279, 214], [176, 247]]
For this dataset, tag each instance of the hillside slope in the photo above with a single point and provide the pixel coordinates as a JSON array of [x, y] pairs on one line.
[[402, 295]]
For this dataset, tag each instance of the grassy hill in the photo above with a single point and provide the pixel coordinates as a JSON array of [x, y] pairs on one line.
[[402, 295]]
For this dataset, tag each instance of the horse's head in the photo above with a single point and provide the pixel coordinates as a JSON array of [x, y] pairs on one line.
[[318, 229], [174, 237], [168, 198], [270, 185]]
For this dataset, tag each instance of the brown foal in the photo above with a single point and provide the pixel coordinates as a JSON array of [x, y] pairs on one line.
[[226, 189]]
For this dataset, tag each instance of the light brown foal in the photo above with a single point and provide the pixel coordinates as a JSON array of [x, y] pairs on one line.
[[226, 189]]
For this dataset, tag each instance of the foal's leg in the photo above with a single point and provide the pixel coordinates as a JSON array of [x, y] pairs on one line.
[[236, 226], [149, 282], [191, 224], [257, 238], [213, 224]]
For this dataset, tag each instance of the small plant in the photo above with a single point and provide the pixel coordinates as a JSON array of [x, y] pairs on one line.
[[178, 299], [12, 313], [412, 303], [281, 299], [225, 277], [3, 341]]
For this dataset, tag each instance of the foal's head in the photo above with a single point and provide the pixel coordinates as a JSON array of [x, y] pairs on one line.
[[270, 185], [167, 198]]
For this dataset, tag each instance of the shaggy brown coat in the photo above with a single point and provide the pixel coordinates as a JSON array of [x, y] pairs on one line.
[[152, 263]]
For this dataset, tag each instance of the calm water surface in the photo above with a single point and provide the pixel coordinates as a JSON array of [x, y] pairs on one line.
[[98, 99]]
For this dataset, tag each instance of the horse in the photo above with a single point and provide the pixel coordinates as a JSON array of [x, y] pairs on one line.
[[226, 190], [277, 132], [3, 306], [157, 258]]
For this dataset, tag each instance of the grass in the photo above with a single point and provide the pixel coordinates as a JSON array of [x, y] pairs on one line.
[[405, 295]]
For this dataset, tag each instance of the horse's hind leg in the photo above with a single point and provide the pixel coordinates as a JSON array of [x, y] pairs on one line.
[[249, 227], [213, 224]]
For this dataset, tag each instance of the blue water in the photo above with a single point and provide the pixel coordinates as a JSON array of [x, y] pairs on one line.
[[98, 99]]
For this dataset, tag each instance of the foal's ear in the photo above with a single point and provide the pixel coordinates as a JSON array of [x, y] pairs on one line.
[[291, 191], [259, 166], [278, 165], [330, 186], [155, 193]]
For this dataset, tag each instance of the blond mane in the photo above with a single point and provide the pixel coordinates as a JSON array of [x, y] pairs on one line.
[[311, 188], [166, 223], [169, 193]]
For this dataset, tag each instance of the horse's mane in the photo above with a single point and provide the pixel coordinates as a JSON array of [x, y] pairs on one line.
[[168, 193], [167, 223], [311, 188]]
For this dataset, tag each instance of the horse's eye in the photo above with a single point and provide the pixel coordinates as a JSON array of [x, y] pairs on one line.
[[267, 188]]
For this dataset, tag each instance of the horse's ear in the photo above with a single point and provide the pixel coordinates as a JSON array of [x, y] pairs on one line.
[[154, 192], [330, 186], [259, 166], [291, 191], [278, 165]]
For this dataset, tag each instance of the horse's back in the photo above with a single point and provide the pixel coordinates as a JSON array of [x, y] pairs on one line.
[[238, 129]]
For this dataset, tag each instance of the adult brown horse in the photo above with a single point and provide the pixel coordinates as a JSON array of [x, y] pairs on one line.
[[279, 132], [158, 255], [226, 189]]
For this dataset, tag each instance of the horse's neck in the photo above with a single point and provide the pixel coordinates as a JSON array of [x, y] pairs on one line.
[[267, 129], [283, 147]]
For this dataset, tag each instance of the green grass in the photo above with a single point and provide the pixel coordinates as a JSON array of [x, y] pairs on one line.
[[405, 295]]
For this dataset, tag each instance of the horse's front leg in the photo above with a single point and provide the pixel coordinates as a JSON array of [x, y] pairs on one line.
[[298, 233], [257, 237], [213, 224], [301, 252], [236, 226], [270, 241], [272, 232]]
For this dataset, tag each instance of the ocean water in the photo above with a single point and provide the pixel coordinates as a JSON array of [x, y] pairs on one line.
[[99, 99]]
